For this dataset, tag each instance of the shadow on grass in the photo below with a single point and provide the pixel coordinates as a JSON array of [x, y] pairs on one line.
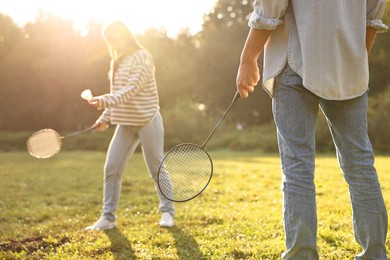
[[186, 245], [120, 245]]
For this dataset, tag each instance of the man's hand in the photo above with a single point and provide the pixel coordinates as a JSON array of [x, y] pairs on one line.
[[247, 78], [248, 72]]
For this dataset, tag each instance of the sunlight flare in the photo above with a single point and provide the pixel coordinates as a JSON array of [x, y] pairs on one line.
[[171, 16]]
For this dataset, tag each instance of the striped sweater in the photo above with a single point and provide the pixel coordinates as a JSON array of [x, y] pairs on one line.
[[133, 98]]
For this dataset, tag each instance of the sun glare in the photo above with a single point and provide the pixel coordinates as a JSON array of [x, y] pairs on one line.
[[173, 15]]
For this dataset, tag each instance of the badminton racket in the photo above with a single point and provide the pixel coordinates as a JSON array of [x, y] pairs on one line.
[[45, 143], [187, 168]]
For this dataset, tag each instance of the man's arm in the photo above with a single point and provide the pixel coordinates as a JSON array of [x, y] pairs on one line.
[[248, 72]]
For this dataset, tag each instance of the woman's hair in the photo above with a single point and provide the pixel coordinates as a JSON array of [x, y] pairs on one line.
[[128, 42]]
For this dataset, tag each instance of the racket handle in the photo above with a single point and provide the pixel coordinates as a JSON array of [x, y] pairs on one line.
[[236, 97], [80, 132]]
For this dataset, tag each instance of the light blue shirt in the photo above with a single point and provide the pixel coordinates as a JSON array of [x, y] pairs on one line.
[[322, 41]]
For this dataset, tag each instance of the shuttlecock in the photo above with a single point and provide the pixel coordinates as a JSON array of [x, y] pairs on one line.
[[87, 94]]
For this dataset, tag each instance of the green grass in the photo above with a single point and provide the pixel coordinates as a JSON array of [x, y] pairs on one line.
[[45, 204]]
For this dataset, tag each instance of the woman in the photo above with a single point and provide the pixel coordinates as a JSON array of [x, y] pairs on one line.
[[133, 106]]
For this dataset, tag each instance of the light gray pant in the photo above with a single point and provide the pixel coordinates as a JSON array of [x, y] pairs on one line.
[[123, 144], [295, 112]]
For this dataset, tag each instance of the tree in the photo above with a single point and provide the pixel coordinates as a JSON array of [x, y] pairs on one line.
[[46, 64], [11, 37], [221, 40], [379, 59], [44, 74], [176, 63]]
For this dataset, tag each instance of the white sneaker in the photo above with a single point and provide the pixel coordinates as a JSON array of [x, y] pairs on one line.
[[102, 224], [166, 220]]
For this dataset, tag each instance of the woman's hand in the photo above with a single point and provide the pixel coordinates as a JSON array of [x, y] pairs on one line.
[[94, 102], [101, 126]]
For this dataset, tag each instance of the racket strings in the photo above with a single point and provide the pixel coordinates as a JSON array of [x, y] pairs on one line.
[[44, 143], [185, 172]]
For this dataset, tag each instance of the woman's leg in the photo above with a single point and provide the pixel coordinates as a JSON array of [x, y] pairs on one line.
[[152, 141], [123, 144]]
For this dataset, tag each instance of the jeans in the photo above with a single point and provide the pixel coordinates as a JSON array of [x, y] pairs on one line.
[[123, 144], [295, 111]]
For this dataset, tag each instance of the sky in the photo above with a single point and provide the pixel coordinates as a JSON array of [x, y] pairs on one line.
[[171, 15]]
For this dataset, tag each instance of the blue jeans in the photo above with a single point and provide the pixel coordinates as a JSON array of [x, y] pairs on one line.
[[123, 144], [295, 111]]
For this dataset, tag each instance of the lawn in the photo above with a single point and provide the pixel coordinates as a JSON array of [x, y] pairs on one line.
[[45, 204]]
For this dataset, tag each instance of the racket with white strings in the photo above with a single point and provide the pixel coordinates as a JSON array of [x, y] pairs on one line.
[[45, 143], [187, 168]]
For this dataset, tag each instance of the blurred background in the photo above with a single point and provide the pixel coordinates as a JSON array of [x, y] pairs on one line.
[[49, 56]]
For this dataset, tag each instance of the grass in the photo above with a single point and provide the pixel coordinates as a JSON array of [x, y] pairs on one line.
[[45, 204]]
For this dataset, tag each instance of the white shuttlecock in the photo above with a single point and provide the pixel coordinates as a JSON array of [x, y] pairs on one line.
[[87, 94]]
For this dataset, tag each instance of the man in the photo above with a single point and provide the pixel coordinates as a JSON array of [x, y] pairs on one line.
[[316, 56]]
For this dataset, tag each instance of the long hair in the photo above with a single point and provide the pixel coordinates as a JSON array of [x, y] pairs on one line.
[[127, 43]]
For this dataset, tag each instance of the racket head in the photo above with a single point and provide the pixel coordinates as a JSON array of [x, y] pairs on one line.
[[44, 143], [185, 172]]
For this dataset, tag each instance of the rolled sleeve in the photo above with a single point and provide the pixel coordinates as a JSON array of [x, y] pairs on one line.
[[375, 11], [268, 14]]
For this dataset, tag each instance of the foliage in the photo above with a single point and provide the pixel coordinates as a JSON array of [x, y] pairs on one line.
[[46, 64], [226, 136], [187, 124], [222, 39], [379, 59], [45, 204], [379, 123], [44, 73]]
